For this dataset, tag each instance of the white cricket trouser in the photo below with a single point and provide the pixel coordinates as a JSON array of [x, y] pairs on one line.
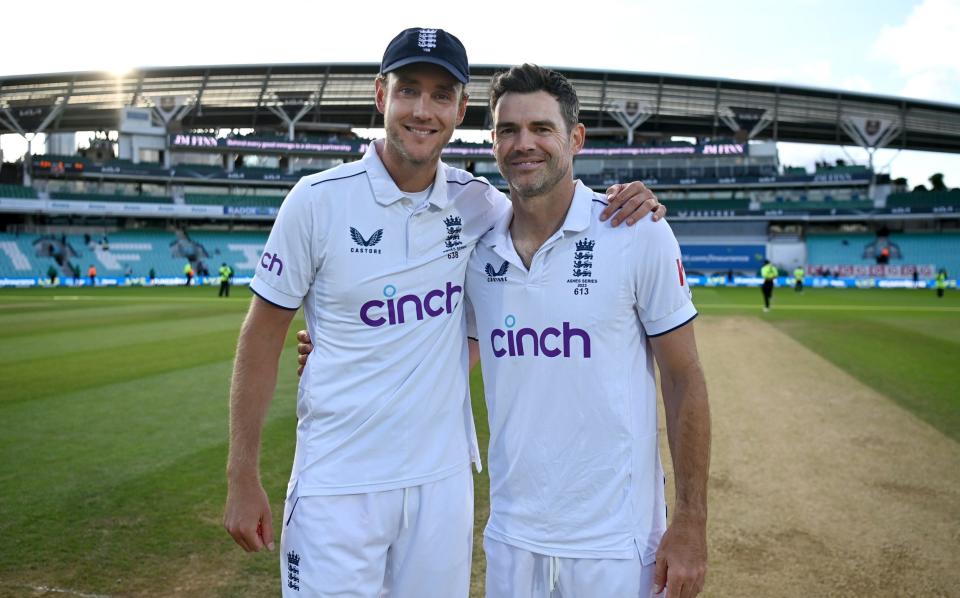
[[413, 542], [517, 573]]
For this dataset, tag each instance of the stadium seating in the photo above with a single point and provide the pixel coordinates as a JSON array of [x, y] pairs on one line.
[[224, 199], [682, 205], [939, 249], [139, 249], [924, 199], [239, 249], [113, 197], [817, 205], [17, 192], [18, 256], [851, 169]]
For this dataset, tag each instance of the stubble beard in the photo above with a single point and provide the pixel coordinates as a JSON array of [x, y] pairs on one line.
[[539, 187], [394, 139]]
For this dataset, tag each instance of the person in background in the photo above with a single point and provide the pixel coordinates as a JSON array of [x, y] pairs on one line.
[[52, 274], [941, 282], [92, 275], [798, 279], [226, 273], [769, 273], [188, 272], [151, 275]]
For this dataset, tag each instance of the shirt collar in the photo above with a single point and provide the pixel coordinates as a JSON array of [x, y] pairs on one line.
[[580, 212], [577, 220], [386, 191]]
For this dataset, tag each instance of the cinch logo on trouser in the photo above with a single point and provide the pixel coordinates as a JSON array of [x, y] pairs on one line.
[[433, 304], [539, 341]]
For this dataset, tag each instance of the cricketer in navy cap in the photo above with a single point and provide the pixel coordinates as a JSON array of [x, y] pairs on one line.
[[435, 46]]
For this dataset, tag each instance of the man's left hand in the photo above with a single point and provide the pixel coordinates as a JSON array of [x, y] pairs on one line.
[[682, 558], [304, 347], [631, 202]]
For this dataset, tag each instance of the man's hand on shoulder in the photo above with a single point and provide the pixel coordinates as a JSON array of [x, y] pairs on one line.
[[631, 202], [682, 558]]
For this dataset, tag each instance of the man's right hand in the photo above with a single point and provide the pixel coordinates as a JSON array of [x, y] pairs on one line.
[[247, 516], [304, 347]]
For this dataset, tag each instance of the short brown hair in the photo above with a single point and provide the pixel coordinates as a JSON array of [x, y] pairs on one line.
[[529, 78]]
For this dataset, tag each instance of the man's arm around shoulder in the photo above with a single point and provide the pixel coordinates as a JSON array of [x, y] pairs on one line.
[[682, 555], [247, 515]]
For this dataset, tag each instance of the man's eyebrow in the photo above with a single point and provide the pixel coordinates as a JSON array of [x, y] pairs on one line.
[[544, 123], [413, 81]]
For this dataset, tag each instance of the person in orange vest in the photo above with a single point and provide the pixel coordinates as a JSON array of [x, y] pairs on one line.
[[92, 273]]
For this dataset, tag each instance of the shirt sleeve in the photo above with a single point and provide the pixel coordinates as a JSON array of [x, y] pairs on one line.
[[664, 300], [288, 264]]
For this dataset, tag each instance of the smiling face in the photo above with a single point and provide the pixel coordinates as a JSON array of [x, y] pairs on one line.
[[533, 147], [422, 104]]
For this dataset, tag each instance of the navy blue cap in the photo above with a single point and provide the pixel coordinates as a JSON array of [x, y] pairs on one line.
[[435, 46]]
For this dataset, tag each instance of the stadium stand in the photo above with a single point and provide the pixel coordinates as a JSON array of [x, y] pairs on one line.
[[938, 249], [924, 199], [819, 205], [681, 205], [239, 249], [838, 248], [115, 197], [19, 256], [224, 199], [17, 192], [140, 250]]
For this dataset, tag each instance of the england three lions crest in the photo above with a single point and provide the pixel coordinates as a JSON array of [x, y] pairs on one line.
[[452, 245], [582, 270]]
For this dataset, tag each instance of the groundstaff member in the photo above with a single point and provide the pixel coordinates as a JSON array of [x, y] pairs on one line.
[[769, 274], [226, 273], [380, 497]]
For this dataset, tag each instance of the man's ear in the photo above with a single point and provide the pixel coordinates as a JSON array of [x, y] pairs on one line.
[[578, 136], [380, 97], [462, 109]]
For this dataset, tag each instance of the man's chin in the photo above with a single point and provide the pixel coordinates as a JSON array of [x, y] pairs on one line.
[[527, 189]]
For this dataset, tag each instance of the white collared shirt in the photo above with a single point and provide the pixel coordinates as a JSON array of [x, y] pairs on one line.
[[383, 402], [569, 381]]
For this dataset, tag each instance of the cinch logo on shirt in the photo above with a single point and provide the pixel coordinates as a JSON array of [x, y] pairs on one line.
[[268, 261], [551, 342], [433, 304]]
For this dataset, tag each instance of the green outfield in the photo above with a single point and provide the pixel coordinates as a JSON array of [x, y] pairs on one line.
[[114, 407]]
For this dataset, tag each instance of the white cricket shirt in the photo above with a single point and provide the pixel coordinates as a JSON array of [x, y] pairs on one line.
[[384, 401], [569, 381]]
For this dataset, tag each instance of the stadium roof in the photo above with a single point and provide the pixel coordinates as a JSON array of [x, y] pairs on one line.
[[341, 94]]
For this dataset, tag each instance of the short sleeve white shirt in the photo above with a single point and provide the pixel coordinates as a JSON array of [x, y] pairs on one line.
[[569, 381], [383, 402]]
